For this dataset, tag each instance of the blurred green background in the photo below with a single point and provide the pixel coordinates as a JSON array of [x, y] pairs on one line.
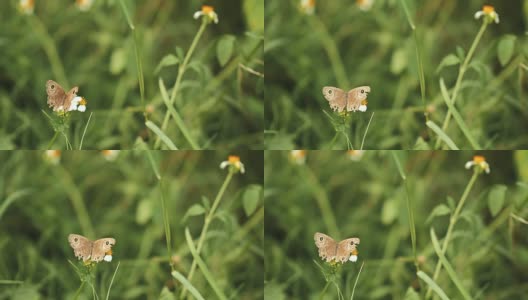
[[220, 102], [367, 199], [41, 203], [343, 46]]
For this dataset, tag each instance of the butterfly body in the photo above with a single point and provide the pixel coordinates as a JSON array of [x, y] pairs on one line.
[[330, 250], [340, 100], [86, 250], [58, 99]]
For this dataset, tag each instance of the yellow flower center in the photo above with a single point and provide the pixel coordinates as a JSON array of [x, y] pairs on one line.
[[360, 2], [355, 252], [299, 153], [83, 101], [233, 159], [27, 4], [364, 102], [54, 153], [207, 9], [477, 159], [310, 3], [109, 252], [488, 9]]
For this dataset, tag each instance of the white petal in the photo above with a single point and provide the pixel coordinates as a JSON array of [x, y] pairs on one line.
[[363, 108], [478, 14], [108, 258], [497, 18], [224, 164], [469, 164], [197, 14], [353, 258], [82, 108], [242, 170]]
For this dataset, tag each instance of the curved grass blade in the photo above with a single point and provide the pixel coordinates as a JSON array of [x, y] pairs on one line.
[[161, 135], [178, 276], [438, 290], [442, 135]]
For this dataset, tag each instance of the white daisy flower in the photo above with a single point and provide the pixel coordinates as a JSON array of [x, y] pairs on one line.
[[78, 103], [110, 155], [234, 162], [363, 106], [84, 5], [298, 156], [52, 156], [354, 256], [489, 14], [365, 5], [207, 11], [308, 6], [480, 162], [107, 258], [26, 6], [355, 155]]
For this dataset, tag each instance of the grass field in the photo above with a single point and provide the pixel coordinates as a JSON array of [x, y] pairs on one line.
[[150, 72], [399, 203], [160, 207], [418, 57]]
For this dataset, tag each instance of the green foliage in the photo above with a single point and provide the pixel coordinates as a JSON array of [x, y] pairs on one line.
[[400, 49], [41, 203], [367, 199]]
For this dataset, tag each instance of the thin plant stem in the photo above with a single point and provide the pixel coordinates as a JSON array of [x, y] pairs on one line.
[[181, 70], [84, 132], [366, 130], [52, 140], [357, 279], [324, 290], [452, 222], [461, 72], [78, 291], [166, 224], [207, 222]]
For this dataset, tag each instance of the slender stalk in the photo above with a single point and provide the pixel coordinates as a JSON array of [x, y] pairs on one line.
[[461, 72], [166, 223], [207, 222], [181, 70], [324, 290], [52, 140], [452, 223], [78, 291]]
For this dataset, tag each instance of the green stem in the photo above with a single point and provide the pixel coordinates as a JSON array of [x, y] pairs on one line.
[[207, 221], [166, 223], [453, 220], [333, 140], [78, 291], [461, 72], [52, 140], [324, 290], [181, 71]]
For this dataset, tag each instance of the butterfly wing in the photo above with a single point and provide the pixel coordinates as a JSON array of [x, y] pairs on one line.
[[56, 95], [69, 97], [82, 247], [100, 247], [356, 96], [326, 246], [336, 97], [345, 248]]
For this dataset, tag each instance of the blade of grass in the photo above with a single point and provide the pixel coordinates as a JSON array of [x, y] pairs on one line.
[[178, 276], [357, 279], [366, 130], [84, 132], [449, 142], [176, 116], [12, 198], [447, 266], [430, 282], [112, 281], [11, 282], [161, 135], [203, 267], [461, 124]]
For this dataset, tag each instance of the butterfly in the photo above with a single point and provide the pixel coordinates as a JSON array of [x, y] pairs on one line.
[[88, 250], [329, 250], [57, 98], [340, 99]]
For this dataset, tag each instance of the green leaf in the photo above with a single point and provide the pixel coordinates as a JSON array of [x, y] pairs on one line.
[[399, 61], [194, 210], [505, 48], [251, 198], [166, 294], [439, 210], [496, 198], [206, 203], [449, 60], [447, 266], [161, 134], [411, 294], [178, 276], [224, 48], [254, 13], [442, 135], [437, 289], [167, 60]]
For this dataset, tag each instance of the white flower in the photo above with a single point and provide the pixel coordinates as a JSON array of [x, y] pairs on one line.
[[353, 258], [480, 162], [107, 258], [298, 156], [308, 6], [489, 12], [79, 104], [363, 106], [84, 5], [365, 5], [26, 6], [207, 11], [110, 155], [355, 155], [233, 161]]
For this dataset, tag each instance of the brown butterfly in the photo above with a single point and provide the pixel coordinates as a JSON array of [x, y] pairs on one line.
[[57, 98], [329, 250], [88, 250], [340, 99]]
